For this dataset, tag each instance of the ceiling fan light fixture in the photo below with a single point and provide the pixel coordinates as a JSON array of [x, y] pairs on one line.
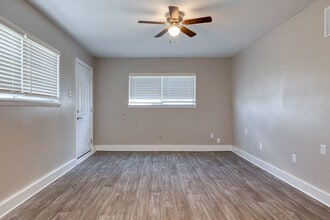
[[174, 30], [175, 23]]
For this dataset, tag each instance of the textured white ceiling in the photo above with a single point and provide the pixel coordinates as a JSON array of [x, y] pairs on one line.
[[109, 28]]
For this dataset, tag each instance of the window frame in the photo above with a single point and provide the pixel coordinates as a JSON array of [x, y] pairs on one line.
[[146, 106], [327, 22], [8, 98]]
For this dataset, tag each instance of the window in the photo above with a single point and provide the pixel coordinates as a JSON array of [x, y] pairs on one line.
[[28, 70], [162, 90], [327, 22]]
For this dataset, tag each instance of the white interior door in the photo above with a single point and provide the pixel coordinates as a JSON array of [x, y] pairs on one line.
[[84, 107]]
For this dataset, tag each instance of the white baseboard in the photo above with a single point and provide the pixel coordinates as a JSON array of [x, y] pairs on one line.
[[15, 200], [297, 183], [90, 153], [18, 198], [163, 148]]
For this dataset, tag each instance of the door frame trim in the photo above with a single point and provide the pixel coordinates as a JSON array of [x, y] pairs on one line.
[[78, 61]]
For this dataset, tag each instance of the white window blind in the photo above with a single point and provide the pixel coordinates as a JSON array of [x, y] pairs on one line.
[[162, 90], [327, 22], [28, 70], [10, 60]]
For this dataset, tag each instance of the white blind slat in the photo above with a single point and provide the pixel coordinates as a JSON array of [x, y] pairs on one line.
[[10, 50], [44, 92], [32, 69], [39, 53], [10, 62], [42, 61], [9, 75], [41, 78], [8, 67], [40, 84], [16, 40], [9, 79], [39, 49], [10, 41], [15, 87], [28, 70]]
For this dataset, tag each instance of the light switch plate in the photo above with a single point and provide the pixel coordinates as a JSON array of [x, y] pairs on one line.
[[70, 93], [323, 149]]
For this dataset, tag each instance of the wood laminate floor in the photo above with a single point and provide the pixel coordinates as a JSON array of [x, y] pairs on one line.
[[169, 185]]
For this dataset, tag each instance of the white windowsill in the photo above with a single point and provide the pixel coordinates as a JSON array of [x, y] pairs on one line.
[[162, 106], [21, 100]]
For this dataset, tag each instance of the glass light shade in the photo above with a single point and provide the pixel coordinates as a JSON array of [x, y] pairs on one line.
[[174, 30]]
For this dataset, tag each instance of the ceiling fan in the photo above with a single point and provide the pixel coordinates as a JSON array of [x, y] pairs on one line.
[[175, 23]]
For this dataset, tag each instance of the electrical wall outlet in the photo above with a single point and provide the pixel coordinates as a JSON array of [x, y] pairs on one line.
[[246, 131], [211, 135], [294, 158], [260, 145], [323, 149], [218, 140]]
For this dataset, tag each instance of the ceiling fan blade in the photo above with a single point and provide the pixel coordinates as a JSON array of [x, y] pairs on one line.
[[174, 12], [187, 31], [161, 33], [197, 20], [151, 22]]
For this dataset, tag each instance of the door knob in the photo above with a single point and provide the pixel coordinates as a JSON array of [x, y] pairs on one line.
[[78, 118]]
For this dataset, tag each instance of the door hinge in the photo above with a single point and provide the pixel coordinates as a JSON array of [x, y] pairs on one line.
[[91, 140]]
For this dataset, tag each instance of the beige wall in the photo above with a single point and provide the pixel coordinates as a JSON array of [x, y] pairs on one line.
[[281, 93], [116, 124], [37, 140]]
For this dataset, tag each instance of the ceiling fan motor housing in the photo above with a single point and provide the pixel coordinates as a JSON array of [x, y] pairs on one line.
[[171, 21]]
